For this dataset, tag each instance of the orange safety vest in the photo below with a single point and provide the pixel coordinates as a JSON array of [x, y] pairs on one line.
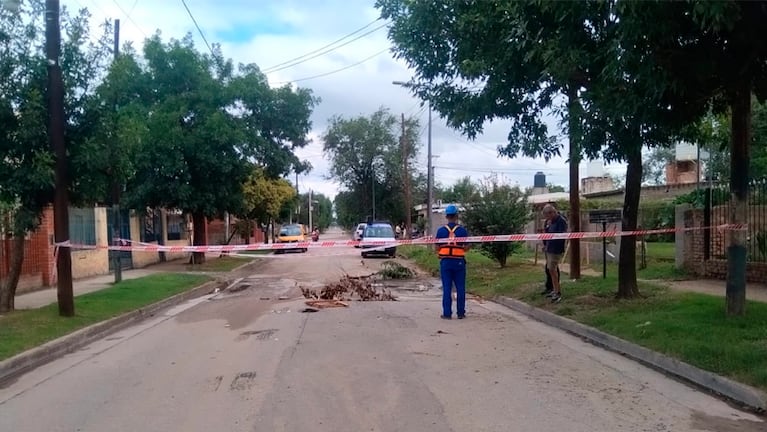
[[451, 249]]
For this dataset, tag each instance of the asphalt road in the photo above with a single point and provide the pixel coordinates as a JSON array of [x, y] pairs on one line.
[[248, 361]]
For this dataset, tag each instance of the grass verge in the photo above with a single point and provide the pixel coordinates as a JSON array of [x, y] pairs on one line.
[[25, 329], [688, 326], [221, 264]]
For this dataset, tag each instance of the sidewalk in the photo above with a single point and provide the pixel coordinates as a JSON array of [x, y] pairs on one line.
[[47, 296], [714, 287]]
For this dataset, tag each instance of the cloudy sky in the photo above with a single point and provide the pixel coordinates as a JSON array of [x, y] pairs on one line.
[[352, 77]]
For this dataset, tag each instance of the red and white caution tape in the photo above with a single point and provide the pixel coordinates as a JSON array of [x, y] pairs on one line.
[[372, 244]]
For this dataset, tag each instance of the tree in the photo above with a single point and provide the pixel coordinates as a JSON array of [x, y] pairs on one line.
[[265, 197], [26, 161], [365, 157], [654, 165], [497, 209], [322, 210], [555, 188], [206, 126], [710, 56], [713, 134], [541, 67], [463, 191]]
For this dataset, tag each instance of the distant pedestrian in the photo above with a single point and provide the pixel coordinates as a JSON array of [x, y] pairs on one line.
[[452, 264], [549, 286], [554, 249]]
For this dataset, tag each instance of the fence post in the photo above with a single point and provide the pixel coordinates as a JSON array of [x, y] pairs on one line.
[[679, 236], [707, 208]]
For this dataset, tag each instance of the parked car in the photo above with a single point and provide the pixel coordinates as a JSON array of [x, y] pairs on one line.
[[358, 232], [379, 232], [291, 234]]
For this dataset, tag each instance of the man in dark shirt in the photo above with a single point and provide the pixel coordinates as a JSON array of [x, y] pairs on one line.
[[554, 249]]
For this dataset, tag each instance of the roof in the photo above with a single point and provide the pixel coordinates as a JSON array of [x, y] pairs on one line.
[[606, 193], [548, 197]]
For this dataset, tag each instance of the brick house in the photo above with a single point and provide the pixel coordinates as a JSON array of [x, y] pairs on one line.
[[92, 227]]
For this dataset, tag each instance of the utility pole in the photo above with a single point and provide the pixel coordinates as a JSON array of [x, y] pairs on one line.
[[429, 181], [575, 136], [406, 180], [311, 227], [116, 186], [373, 187], [56, 139], [298, 207]]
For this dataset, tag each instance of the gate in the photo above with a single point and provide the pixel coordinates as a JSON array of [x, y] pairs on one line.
[[126, 257], [717, 212]]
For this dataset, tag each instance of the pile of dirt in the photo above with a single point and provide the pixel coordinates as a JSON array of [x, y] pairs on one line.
[[346, 289]]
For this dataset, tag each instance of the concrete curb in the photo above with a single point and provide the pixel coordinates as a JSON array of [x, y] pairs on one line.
[[38, 356], [743, 394]]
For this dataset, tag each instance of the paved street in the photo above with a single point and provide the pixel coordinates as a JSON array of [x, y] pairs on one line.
[[248, 361]]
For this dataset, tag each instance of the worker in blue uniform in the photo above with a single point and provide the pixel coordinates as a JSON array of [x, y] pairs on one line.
[[452, 263]]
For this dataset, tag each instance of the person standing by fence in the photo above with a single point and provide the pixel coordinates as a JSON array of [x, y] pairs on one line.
[[554, 249]]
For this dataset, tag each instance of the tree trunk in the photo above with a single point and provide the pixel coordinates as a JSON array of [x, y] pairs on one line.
[[574, 114], [627, 271], [8, 289], [736, 251], [200, 236]]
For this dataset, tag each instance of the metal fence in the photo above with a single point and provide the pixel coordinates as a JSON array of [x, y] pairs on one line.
[[717, 212]]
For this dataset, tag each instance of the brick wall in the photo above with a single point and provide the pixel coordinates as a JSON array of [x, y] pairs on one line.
[[37, 269], [680, 172], [716, 265]]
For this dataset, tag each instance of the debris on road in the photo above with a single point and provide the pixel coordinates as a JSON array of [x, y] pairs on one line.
[[346, 289], [323, 304], [395, 270]]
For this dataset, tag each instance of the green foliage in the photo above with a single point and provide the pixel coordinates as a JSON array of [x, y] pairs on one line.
[[26, 161], [555, 188], [463, 191], [322, 210], [265, 197], [366, 159], [395, 270], [654, 165], [497, 209], [714, 135], [198, 151]]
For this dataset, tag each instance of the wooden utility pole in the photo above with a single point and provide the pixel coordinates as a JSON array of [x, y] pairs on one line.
[[406, 180], [737, 251], [56, 139], [574, 132], [116, 186]]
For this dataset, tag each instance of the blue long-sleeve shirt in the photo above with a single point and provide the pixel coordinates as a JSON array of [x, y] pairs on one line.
[[558, 225]]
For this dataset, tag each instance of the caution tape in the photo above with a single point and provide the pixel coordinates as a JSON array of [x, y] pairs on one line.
[[375, 244]]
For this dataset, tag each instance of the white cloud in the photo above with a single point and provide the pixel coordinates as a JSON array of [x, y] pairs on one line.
[[277, 31]]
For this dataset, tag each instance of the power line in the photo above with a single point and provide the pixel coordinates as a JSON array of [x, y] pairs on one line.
[[494, 169], [324, 47], [199, 30], [335, 71], [127, 15], [296, 63], [132, 8]]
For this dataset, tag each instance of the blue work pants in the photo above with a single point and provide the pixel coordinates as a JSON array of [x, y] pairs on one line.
[[453, 271]]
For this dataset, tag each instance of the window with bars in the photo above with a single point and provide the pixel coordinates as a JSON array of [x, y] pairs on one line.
[[82, 226]]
